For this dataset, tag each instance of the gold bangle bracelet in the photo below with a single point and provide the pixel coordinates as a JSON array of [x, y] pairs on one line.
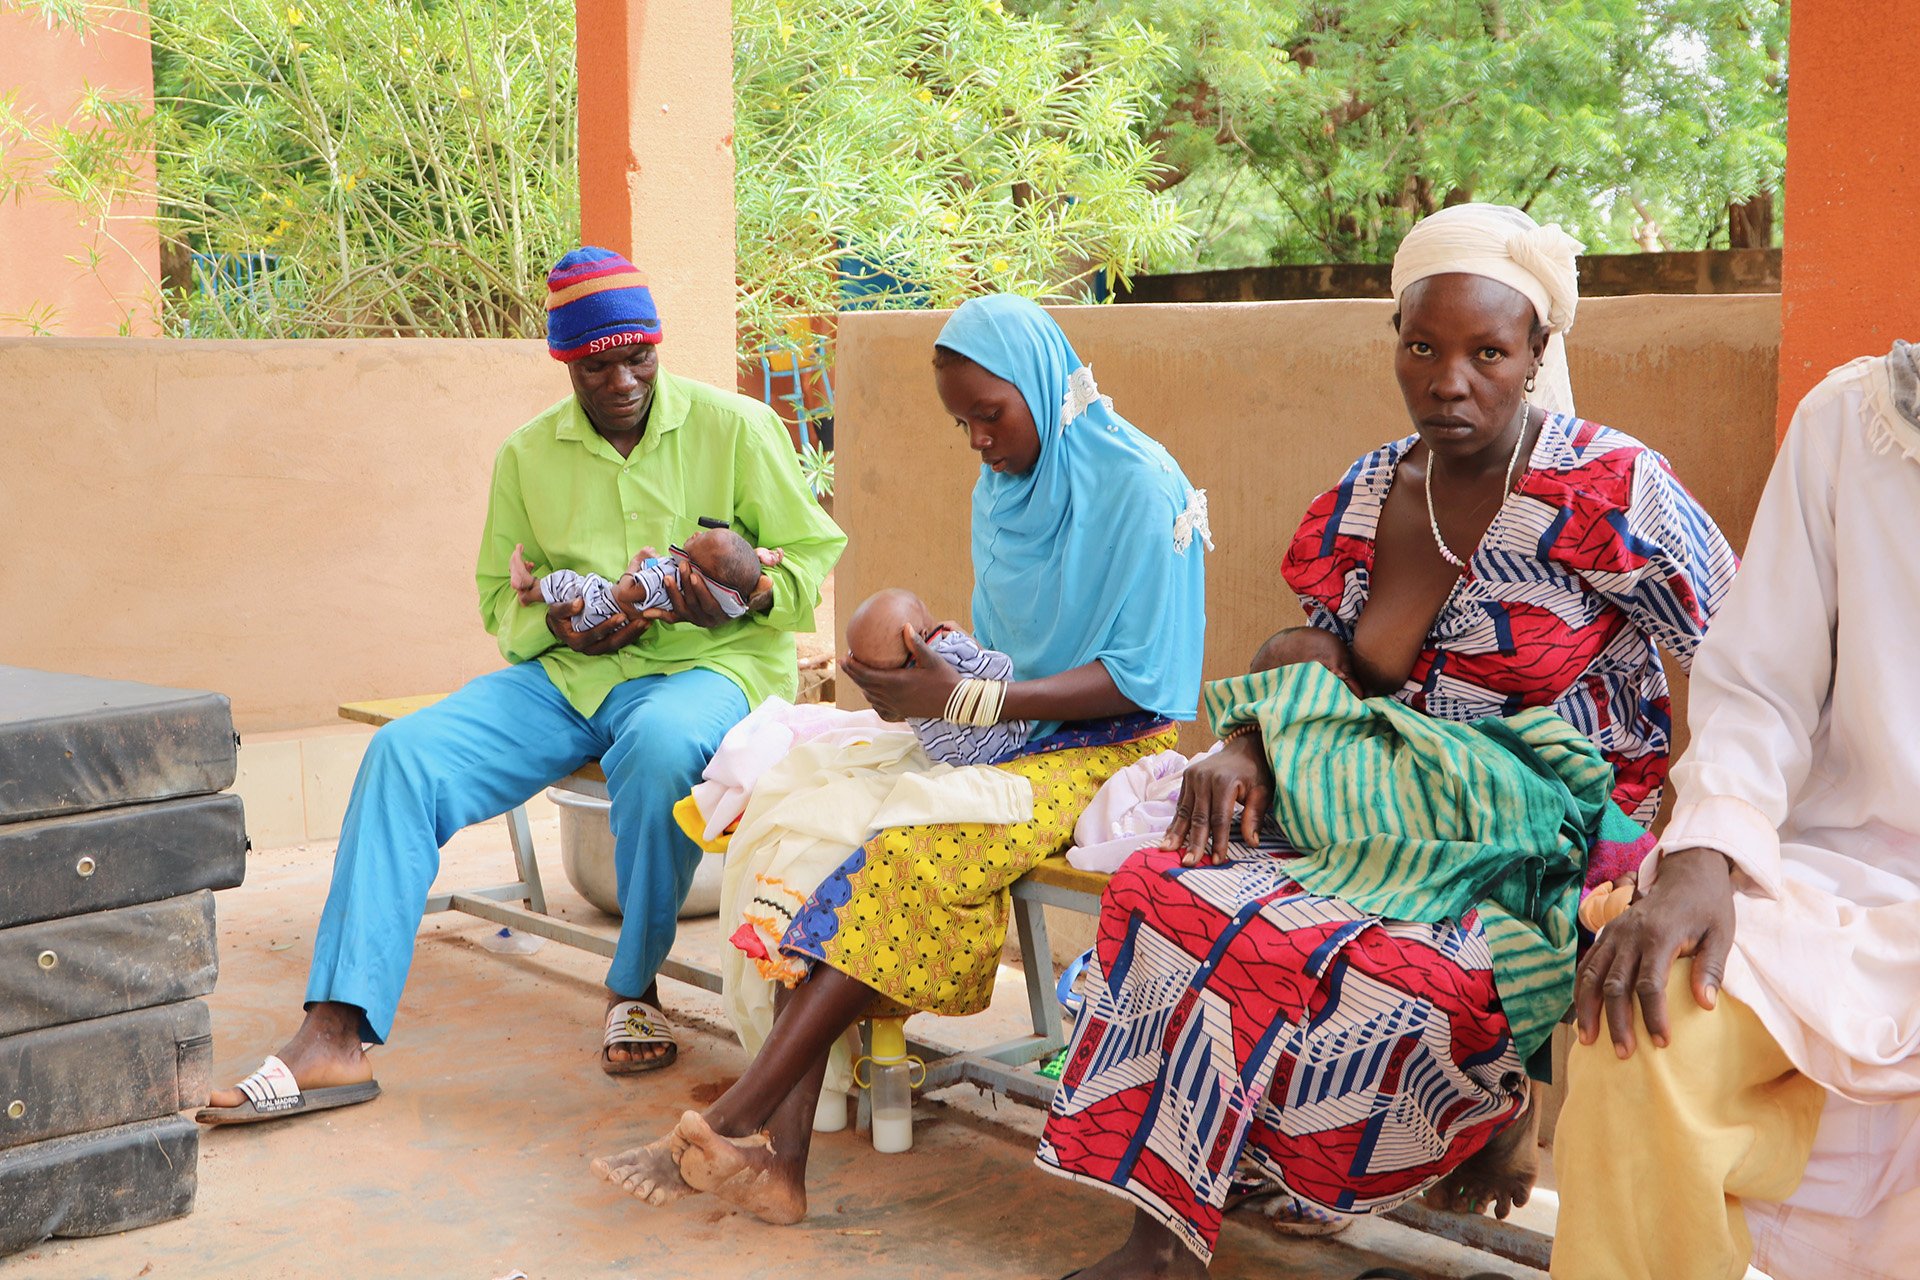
[[957, 701]]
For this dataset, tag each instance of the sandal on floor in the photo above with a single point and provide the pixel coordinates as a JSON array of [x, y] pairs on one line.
[[635, 1024], [272, 1094], [1247, 1190], [1295, 1217]]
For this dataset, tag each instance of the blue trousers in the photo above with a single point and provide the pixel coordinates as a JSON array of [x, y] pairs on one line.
[[478, 753]]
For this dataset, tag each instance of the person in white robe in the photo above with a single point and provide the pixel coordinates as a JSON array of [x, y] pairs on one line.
[[1761, 1100]]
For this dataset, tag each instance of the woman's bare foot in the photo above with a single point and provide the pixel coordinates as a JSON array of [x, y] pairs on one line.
[[746, 1172], [324, 1052], [646, 1173], [1151, 1253], [1500, 1174]]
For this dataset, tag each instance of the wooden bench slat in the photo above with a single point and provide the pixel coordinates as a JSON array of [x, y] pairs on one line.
[[1061, 874], [381, 711], [385, 710]]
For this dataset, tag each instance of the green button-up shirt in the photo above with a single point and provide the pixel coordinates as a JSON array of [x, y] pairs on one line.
[[568, 496]]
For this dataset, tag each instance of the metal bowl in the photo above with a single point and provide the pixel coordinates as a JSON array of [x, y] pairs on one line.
[[586, 852]]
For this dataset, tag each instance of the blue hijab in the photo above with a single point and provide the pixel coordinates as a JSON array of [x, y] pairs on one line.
[[1096, 553]]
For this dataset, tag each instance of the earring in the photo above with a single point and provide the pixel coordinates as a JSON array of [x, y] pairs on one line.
[[1533, 379]]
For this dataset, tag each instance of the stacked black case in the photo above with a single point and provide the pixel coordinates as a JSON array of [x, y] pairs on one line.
[[112, 838]]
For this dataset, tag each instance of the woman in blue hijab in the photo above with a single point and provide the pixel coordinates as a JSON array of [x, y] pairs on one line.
[[1088, 548]]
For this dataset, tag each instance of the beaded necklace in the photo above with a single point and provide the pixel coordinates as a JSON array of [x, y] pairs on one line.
[[1433, 464]]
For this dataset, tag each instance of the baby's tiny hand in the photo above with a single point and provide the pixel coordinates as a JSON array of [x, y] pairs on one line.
[[521, 578], [1344, 669], [770, 556]]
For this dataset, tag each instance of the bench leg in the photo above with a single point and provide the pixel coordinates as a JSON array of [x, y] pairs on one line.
[[1036, 959], [521, 834]]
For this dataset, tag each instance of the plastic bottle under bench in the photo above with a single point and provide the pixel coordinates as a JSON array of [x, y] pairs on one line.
[[890, 1083]]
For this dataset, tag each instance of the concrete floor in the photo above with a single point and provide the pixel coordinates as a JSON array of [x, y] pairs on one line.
[[473, 1164]]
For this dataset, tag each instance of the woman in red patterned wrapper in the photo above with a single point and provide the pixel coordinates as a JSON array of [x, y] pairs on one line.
[[1506, 555]]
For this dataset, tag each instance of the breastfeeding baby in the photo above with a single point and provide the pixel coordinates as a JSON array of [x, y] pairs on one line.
[[1600, 904], [1308, 644], [721, 558], [874, 639]]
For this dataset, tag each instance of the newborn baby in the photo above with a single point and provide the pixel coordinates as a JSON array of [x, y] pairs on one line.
[[1308, 644], [725, 561], [874, 638], [1599, 905]]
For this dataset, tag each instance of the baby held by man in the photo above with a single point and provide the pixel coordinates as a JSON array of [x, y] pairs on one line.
[[725, 562]]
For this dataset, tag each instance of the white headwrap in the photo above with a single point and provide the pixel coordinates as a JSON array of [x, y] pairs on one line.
[[1502, 243]]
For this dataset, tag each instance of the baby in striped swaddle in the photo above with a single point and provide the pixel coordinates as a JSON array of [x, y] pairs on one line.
[[725, 561], [874, 637]]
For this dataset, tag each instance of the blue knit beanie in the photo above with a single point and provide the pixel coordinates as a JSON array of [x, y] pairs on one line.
[[597, 300]]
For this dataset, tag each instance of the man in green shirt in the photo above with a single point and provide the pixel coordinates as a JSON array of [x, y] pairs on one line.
[[632, 461]]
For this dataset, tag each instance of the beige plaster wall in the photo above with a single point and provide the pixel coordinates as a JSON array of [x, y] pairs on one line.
[[656, 161], [1265, 404], [49, 70], [292, 523]]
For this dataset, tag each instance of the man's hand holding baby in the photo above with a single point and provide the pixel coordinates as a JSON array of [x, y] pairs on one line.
[[692, 600], [616, 632]]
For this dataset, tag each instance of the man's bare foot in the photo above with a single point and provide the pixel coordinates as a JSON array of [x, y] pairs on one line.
[[646, 1173], [324, 1052], [622, 1053], [745, 1172], [1499, 1175]]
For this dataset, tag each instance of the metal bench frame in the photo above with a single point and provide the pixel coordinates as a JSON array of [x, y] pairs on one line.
[[1005, 1068]]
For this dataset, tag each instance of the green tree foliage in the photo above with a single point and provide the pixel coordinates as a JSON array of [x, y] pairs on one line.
[[365, 169], [409, 166], [1309, 132], [946, 143], [94, 161]]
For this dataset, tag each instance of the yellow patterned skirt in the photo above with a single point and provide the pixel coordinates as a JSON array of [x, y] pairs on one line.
[[920, 913]]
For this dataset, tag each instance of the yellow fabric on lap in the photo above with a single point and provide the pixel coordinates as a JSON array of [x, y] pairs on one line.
[[694, 823], [1654, 1154]]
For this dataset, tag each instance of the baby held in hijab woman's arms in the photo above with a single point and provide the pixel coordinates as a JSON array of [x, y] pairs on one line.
[[893, 629]]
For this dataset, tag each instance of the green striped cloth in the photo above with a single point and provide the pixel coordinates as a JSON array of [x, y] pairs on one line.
[[1414, 818]]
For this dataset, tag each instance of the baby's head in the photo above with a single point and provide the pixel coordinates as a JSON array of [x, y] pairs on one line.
[[873, 632], [725, 557], [1306, 644]]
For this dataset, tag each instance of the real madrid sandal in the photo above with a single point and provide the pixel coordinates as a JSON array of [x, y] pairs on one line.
[[273, 1094], [636, 1024]]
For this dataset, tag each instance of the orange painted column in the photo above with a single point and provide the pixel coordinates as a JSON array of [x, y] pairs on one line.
[[656, 163], [1850, 279], [63, 269]]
